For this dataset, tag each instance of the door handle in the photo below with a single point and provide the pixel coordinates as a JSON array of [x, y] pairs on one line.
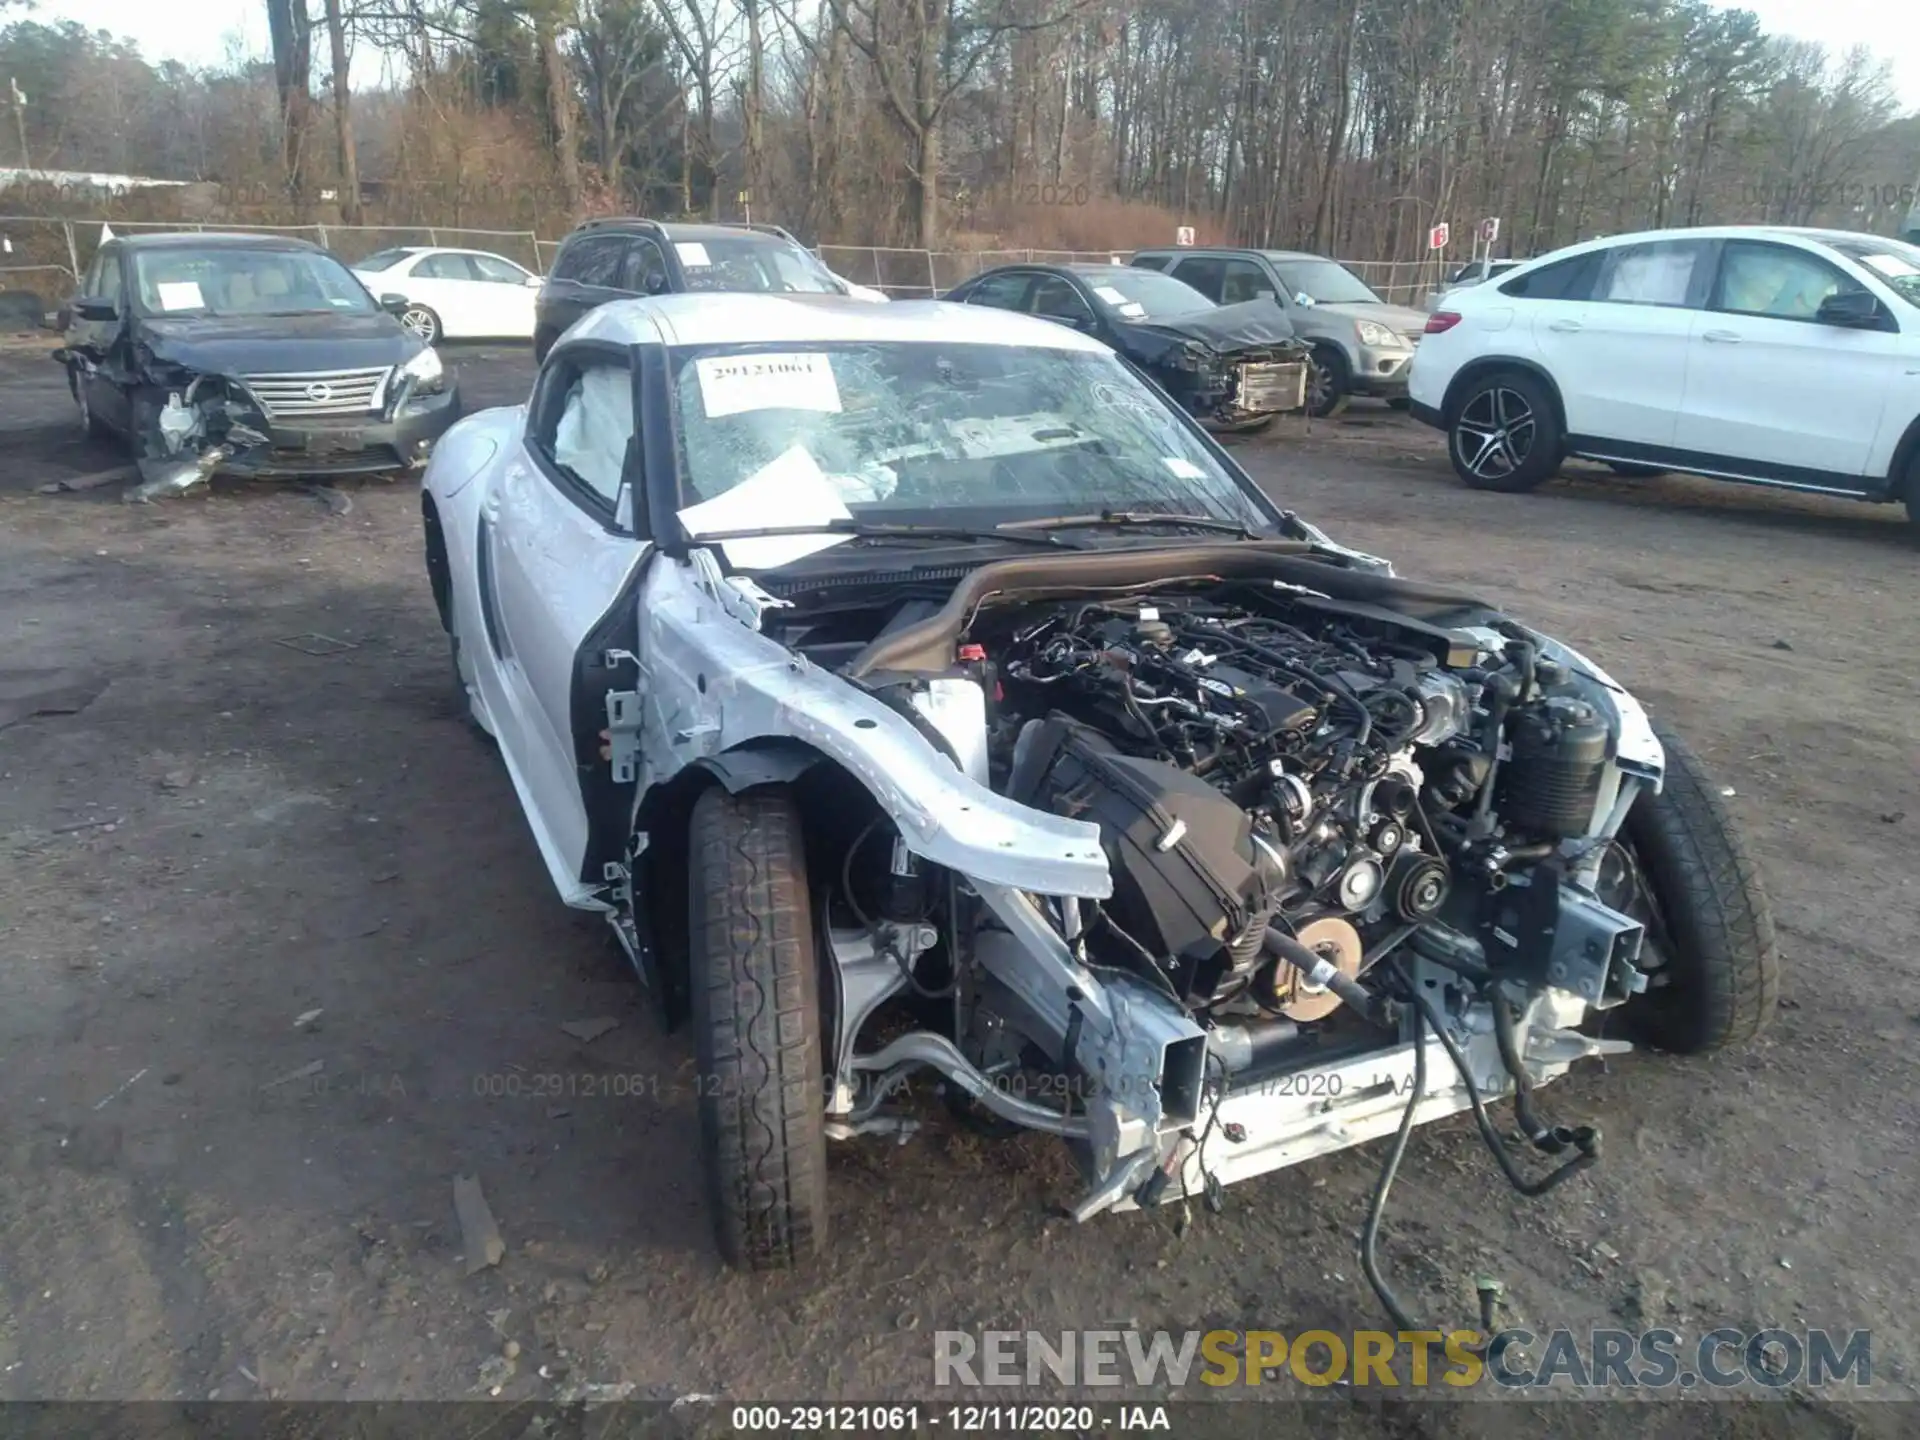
[[1721, 337], [1565, 327]]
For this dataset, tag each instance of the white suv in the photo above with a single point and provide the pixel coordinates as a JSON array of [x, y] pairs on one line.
[[1770, 355]]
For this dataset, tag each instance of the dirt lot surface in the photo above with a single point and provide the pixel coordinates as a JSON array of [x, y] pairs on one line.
[[208, 831]]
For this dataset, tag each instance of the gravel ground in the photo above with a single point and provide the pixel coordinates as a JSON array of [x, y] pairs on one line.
[[212, 831]]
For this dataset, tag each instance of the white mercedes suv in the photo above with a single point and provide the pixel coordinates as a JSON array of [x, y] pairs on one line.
[[1775, 356]]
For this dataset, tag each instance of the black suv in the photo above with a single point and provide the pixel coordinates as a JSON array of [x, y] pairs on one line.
[[248, 355], [620, 258]]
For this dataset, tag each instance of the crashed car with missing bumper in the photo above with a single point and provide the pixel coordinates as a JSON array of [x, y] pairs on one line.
[[1232, 367], [247, 355], [920, 695]]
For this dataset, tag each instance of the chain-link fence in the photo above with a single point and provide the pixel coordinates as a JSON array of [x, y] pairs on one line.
[[58, 252]]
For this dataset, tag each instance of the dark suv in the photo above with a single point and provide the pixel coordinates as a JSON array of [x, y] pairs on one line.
[[618, 259]]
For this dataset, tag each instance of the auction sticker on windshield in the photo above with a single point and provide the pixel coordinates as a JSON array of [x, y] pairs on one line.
[[693, 253], [1891, 266], [788, 493], [731, 384], [180, 295]]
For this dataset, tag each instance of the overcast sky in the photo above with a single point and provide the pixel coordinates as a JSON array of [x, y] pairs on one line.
[[164, 31]]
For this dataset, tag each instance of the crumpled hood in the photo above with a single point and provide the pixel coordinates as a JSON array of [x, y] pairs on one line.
[[1401, 319], [1248, 325], [279, 344]]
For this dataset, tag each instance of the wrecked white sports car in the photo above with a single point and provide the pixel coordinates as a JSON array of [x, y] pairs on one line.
[[916, 689]]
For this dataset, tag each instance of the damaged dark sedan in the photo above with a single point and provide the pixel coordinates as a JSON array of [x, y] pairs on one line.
[[1232, 367], [247, 355]]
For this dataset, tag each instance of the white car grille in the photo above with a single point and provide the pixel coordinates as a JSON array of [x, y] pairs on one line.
[[320, 392]]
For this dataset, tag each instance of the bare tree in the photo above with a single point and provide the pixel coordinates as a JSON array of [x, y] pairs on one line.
[[343, 116], [290, 29]]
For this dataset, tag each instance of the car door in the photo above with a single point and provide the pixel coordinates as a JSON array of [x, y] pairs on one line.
[[444, 283], [559, 547], [1772, 387], [586, 275], [505, 295], [100, 341], [1616, 344]]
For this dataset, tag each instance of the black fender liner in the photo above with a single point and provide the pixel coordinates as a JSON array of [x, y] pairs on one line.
[[1903, 474], [768, 761]]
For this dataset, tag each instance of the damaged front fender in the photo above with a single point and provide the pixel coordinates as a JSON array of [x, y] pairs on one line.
[[714, 685]]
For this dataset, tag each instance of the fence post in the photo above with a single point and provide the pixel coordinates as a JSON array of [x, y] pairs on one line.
[[879, 280], [433, 236], [323, 237], [73, 252], [933, 281]]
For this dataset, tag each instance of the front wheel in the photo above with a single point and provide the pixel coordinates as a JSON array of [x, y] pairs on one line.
[[756, 1028], [1711, 956], [421, 321], [1504, 435], [1329, 383]]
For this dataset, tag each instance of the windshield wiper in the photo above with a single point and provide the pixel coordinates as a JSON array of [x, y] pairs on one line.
[[1120, 519], [869, 530]]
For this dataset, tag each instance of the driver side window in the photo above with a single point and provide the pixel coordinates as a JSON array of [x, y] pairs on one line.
[[583, 421], [1055, 299]]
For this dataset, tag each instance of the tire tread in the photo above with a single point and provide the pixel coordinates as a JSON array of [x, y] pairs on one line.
[[1727, 952], [756, 1028]]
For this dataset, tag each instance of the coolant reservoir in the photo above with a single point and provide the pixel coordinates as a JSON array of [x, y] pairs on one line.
[[957, 708]]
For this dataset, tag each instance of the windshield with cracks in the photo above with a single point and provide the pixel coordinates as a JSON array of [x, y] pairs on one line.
[[917, 431], [232, 280]]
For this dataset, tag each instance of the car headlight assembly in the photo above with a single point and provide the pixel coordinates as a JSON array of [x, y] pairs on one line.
[[428, 375], [1372, 334]]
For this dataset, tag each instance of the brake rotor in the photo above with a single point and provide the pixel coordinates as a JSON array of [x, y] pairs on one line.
[[1332, 939]]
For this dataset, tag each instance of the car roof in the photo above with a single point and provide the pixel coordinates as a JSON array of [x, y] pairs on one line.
[[1806, 234], [1231, 250], [727, 318], [210, 240], [693, 230]]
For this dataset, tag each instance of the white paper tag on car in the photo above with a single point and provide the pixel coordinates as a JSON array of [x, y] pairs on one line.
[[788, 493], [1110, 295], [692, 253], [1184, 468], [180, 295], [730, 384]]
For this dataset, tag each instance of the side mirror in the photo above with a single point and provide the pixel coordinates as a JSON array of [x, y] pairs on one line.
[[95, 307], [655, 283], [1850, 309], [394, 304]]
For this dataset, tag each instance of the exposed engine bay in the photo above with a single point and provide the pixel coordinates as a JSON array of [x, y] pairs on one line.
[[1338, 836]]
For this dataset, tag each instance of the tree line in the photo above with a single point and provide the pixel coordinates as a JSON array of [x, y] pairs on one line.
[[1347, 126]]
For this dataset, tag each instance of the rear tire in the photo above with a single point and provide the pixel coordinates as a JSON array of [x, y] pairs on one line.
[[756, 1028], [1503, 434], [90, 423], [1719, 982]]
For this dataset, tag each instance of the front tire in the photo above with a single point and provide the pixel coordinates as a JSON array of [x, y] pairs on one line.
[[420, 321], [756, 1028], [1717, 982], [1329, 383], [1503, 434]]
